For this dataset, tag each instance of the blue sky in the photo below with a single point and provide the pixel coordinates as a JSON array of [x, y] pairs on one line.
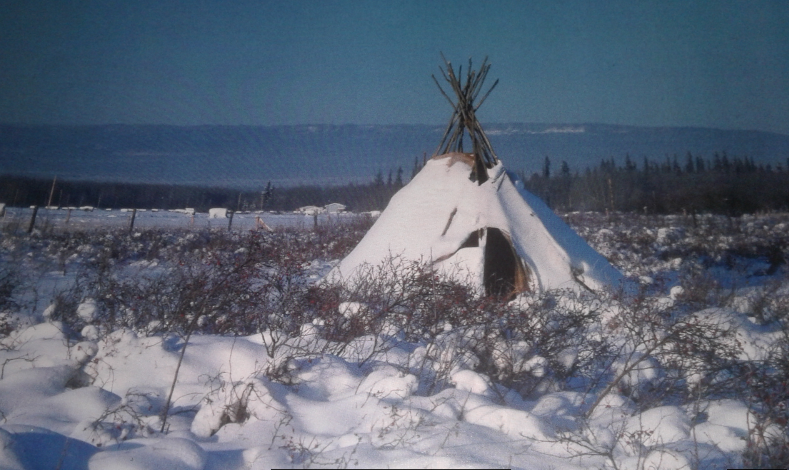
[[717, 63]]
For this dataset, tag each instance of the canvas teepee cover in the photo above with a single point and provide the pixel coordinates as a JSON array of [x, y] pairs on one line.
[[468, 216]]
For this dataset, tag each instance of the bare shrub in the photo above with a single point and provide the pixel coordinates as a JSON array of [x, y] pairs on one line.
[[649, 348], [120, 422], [9, 282], [767, 390]]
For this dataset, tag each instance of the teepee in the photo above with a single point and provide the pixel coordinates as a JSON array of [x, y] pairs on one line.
[[470, 217]]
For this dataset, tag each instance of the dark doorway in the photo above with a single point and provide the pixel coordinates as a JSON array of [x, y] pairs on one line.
[[504, 275], [472, 240]]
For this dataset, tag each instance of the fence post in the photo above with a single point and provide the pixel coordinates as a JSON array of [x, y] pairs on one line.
[[32, 220], [131, 224], [238, 207]]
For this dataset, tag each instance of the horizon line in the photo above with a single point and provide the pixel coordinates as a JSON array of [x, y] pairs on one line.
[[325, 125]]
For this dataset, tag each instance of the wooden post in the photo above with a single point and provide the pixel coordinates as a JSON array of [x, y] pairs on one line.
[[51, 192], [32, 220], [134, 216], [68, 217], [238, 206]]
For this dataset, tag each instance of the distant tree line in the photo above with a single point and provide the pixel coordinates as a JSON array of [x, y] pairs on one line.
[[721, 184], [357, 197], [23, 191], [16, 191]]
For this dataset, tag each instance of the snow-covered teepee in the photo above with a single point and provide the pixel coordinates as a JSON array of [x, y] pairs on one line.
[[468, 216]]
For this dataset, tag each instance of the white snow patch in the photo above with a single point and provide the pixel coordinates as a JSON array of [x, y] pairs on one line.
[[144, 454], [88, 310]]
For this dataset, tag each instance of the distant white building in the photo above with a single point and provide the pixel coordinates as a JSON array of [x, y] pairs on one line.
[[187, 211], [334, 208], [310, 210], [217, 213]]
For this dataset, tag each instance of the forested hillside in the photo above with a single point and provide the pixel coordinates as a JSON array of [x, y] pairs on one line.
[[722, 184]]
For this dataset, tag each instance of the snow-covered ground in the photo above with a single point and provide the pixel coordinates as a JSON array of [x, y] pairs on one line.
[[124, 351]]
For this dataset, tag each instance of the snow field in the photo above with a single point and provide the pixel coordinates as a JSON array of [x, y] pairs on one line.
[[331, 403], [677, 378], [330, 410]]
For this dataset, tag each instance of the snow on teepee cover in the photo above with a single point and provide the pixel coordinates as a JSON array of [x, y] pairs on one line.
[[469, 217]]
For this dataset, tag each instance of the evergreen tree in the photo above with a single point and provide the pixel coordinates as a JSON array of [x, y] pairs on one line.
[[689, 166], [265, 196], [565, 169], [629, 165], [725, 163], [416, 168], [699, 165], [546, 168]]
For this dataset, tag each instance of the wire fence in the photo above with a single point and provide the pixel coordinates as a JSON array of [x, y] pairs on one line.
[[43, 219]]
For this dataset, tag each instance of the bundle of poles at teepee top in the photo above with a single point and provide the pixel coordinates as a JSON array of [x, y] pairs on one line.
[[464, 117]]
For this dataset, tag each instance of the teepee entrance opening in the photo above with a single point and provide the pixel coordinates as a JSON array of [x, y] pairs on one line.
[[504, 275]]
